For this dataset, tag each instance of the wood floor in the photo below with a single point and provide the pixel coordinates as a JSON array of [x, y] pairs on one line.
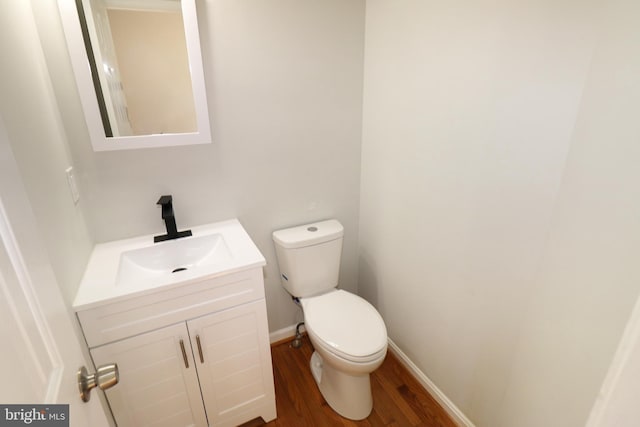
[[398, 398]]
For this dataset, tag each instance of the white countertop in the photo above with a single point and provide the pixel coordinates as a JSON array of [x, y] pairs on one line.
[[100, 286]]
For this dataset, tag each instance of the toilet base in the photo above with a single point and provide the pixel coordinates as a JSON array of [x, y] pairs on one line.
[[348, 395], [316, 367]]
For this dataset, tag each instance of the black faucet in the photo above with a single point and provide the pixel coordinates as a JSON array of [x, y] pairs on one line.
[[170, 221]]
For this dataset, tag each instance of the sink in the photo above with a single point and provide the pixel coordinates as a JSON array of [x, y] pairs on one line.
[[171, 257], [130, 268]]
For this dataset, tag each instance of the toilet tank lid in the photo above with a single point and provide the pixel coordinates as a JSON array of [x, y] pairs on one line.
[[309, 234]]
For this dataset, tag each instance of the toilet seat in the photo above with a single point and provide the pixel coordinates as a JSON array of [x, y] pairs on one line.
[[346, 325]]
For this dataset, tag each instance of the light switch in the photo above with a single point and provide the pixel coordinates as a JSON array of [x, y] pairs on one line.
[[71, 180]]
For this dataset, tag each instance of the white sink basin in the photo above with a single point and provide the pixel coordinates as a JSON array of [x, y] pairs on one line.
[[133, 267], [171, 257]]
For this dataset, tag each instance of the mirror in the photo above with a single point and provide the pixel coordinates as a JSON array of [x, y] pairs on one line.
[[138, 71]]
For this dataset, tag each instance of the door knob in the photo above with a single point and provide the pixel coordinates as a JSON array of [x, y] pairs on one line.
[[106, 376]]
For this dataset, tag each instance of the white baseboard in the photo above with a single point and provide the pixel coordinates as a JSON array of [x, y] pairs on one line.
[[456, 414], [281, 334]]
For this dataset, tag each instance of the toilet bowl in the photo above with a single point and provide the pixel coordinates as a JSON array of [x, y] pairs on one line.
[[347, 333], [350, 342]]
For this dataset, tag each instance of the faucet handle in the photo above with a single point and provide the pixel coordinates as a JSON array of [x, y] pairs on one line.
[[165, 200]]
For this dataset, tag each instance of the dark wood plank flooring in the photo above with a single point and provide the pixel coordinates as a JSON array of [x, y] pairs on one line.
[[398, 398]]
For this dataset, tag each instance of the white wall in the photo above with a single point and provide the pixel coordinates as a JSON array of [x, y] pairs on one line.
[[284, 86], [39, 144], [470, 109], [589, 277]]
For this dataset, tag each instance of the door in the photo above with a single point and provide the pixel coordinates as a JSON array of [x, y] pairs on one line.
[[617, 403], [234, 364], [40, 352], [158, 380]]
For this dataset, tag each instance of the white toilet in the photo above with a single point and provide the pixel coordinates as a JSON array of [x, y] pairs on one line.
[[347, 333]]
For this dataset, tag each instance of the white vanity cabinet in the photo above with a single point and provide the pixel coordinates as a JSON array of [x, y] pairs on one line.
[[156, 386], [231, 362], [188, 354]]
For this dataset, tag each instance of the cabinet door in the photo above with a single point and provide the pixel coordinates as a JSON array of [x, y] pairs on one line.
[[156, 387], [235, 371]]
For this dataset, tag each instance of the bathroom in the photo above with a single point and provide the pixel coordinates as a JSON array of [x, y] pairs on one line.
[[482, 157]]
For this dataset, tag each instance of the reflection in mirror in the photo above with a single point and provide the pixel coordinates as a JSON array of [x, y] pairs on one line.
[[138, 70], [144, 81]]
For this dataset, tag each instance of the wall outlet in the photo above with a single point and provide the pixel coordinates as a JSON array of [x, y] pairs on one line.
[[71, 180]]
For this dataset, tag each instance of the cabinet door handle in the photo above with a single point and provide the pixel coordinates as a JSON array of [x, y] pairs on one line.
[[199, 349], [184, 354]]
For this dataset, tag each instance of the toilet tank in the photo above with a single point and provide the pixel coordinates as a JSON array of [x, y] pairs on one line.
[[309, 257]]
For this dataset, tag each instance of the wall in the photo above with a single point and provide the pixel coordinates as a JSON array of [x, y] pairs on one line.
[[469, 112], [39, 143], [589, 278], [284, 86]]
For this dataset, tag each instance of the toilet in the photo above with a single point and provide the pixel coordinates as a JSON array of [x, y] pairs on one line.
[[348, 334]]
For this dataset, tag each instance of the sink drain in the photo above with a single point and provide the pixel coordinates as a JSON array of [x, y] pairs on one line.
[[179, 269]]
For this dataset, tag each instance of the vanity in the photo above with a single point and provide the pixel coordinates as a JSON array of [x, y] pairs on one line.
[[185, 321]]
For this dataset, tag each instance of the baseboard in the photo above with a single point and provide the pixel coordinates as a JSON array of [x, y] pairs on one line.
[[456, 414], [282, 334]]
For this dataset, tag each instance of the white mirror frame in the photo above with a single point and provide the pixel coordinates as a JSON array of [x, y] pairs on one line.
[[84, 82]]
